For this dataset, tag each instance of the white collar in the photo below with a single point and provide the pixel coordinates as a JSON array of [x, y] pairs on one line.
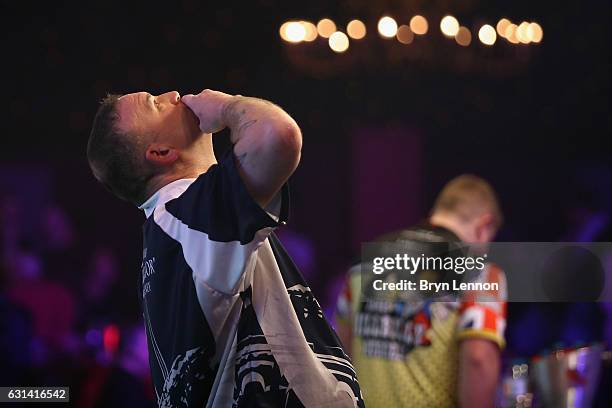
[[165, 194]]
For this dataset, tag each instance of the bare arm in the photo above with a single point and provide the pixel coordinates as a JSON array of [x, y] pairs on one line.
[[267, 141], [479, 365]]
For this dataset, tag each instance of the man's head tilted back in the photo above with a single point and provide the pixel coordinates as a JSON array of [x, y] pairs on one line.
[[137, 139]]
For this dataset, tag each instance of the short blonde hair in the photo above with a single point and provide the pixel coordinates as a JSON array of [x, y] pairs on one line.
[[468, 196]]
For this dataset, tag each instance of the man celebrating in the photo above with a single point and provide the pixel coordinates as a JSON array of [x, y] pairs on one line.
[[445, 352], [229, 319]]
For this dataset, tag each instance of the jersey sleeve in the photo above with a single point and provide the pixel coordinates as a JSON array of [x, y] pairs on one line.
[[220, 226], [482, 314], [218, 204]]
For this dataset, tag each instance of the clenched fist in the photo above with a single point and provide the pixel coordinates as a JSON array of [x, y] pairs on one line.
[[208, 106]]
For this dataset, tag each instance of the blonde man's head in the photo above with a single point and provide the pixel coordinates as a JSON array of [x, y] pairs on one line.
[[469, 202]]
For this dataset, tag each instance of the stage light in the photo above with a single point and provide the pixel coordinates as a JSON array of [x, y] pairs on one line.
[[535, 32], [501, 26], [356, 29], [487, 34], [283, 30], [404, 34], [295, 32], [510, 34], [463, 36], [338, 42], [521, 33], [449, 26], [311, 31], [326, 27], [418, 25], [387, 27]]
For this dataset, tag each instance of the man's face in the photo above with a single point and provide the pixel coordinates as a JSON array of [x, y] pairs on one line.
[[160, 118]]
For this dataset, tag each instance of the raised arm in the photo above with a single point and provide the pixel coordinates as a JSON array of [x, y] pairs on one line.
[[267, 141]]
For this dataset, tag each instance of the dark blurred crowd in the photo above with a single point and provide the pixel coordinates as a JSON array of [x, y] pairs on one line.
[[61, 317]]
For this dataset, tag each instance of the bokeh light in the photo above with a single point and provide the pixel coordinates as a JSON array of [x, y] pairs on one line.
[[111, 336], [521, 33], [501, 26], [510, 34], [326, 27], [293, 31], [449, 26], [283, 30], [463, 36], [338, 42], [418, 25], [356, 29], [387, 27], [535, 32], [404, 34], [311, 31], [487, 34]]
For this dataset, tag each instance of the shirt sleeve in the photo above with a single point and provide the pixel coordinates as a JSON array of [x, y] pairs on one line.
[[220, 226], [218, 204], [482, 314]]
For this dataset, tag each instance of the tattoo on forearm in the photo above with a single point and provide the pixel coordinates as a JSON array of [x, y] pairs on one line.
[[229, 111], [235, 110], [239, 116], [244, 126]]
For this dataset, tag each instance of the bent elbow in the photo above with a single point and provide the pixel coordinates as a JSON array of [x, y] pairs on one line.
[[286, 140]]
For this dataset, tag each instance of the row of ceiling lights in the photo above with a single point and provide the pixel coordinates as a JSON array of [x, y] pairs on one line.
[[305, 31]]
